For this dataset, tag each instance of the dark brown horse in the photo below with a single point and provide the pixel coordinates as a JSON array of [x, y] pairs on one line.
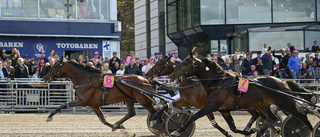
[[192, 93], [224, 99], [89, 91]]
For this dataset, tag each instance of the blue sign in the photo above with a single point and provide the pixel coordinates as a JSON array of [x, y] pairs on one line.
[[33, 47]]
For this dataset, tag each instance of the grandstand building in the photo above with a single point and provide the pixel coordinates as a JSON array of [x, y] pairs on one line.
[[70, 27]]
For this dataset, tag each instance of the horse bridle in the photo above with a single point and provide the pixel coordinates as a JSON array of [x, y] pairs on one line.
[[57, 73], [193, 65], [159, 71]]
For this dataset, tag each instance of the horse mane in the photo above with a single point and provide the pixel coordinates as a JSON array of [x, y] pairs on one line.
[[218, 69], [87, 68]]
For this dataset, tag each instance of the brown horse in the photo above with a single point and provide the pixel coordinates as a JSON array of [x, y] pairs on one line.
[[224, 99], [89, 91], [192, 93]]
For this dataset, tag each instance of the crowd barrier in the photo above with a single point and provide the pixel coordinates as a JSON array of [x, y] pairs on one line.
[[28, 94]]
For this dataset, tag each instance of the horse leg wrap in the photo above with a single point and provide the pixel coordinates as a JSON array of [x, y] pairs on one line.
[[170, 105], [213, 122]]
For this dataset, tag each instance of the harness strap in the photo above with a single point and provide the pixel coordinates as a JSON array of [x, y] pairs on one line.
[[189, 86], [123, 92], [104, 96], [237, 99], [85, 86]]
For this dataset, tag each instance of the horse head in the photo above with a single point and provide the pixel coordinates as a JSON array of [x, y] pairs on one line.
[[187, 68], [163, 67], [54, 72]]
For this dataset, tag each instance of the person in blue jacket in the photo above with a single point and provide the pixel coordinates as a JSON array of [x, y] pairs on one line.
[[294, 65]]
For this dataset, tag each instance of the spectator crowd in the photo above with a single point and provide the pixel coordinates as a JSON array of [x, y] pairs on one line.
[[289, 64]]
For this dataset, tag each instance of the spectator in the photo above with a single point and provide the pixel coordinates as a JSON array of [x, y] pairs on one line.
[[237, 51], [175, 56], [113, 61], [228, 65], [43, 56], [36, 73], [235, 64], [259, 67], [143, 69], [267, 63], [247, 62], [315, 47], [4, 74], [264, 49], [156, 57], [252, 69], [150, 65], [241, 63], [255, 73], [21, 70], [132, 69], [138, 63], [13, 56], [160, 55], [294, 65], [115, 68], [316, 57], [215, 59], [220, 60], [120, 72], [10, 68], [315, 72], [282, 66], [131, 56], [255, 60], [97, 63], [106, 69], [307, 59], [42, 69], [47, 68], [81, 60], [291, 47], [304, 72], [51, 54]]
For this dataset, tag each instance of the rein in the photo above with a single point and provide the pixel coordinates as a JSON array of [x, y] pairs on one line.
[[159, 71]]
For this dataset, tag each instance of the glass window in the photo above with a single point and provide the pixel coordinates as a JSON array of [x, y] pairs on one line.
[[196, 12], [57, 9], [318, 10], [94, 9], [172, 17], [293, 10], [311, 36], [185, 14], [212, 12], [248, 11], [275, 40], [19, 8]]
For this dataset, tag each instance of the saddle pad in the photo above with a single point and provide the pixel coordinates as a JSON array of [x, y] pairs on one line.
[[243, 85], [108, 81]]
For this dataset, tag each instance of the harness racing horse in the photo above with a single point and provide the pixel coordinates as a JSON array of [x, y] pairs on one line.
[[226, 99], [87, 81], [192, 93]]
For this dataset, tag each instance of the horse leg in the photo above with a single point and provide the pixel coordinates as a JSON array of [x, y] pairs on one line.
[[74, 103], [270, 118], [254, 116], [227, 116], [130, 114], [215, 124], [98, 112], [210, 107]]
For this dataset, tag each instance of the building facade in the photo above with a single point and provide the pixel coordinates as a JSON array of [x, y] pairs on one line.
[[70, 27], [225, 25], [150, 28]]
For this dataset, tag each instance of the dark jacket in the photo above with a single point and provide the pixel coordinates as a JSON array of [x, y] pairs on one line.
[[267, 62], [315, 48], [21, 72], [225, 67], [279, 57], [132, 70], [220, 61], [112, 66], [5, 72], [247, 65], [42, 72], [255, 60]]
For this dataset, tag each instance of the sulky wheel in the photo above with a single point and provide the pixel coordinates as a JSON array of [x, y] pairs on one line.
[[293, 127], [316, 130], [272, 131], [157, 128], [177, 120]]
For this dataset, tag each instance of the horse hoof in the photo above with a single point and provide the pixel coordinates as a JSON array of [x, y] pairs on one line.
[[49, 119], [175, 133], [115, 127], [152, 123]]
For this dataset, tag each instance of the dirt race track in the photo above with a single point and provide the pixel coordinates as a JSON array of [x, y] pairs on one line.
[[87, 124]]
